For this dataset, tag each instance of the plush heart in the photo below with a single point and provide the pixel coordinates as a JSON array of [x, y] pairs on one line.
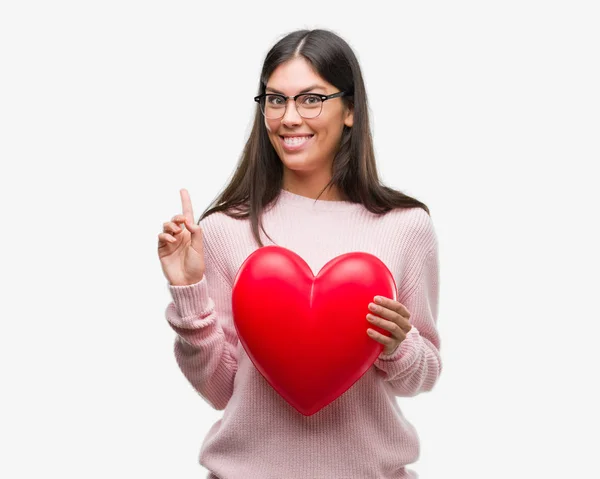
[[307, 334]]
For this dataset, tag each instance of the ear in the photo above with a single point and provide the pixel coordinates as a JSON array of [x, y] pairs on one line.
[[349, 116]]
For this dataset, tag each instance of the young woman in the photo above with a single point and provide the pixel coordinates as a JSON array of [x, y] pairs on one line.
[[307, 177]]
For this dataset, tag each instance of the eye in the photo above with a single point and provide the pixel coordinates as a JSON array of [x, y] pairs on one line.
[[274, 100], [310, 100]]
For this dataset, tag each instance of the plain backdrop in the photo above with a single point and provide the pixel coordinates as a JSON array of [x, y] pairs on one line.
[[486, 111]]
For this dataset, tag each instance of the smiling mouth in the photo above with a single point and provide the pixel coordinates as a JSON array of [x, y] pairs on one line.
[[295, 140]]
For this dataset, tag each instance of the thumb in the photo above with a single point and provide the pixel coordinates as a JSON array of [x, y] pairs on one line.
[[195, 230]]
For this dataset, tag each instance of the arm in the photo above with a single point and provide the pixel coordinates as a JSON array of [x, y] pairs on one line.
[[415, 365], [206, 343]]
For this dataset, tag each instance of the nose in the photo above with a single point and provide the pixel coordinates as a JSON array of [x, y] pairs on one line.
[[291, 116]]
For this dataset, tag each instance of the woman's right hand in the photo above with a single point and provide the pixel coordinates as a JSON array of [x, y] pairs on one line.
[[180, 248]]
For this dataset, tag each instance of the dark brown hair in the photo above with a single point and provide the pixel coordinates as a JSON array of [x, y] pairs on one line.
[[258, 177]]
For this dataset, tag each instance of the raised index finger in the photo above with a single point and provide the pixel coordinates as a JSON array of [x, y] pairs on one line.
[[186, 205]]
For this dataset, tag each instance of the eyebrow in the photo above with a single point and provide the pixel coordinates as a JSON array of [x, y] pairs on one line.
[[312, 87]]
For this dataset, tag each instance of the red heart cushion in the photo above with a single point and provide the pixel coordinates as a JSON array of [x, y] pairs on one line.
[[305, 334]]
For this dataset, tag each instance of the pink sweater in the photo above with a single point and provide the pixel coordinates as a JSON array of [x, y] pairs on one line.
[[363, 433]]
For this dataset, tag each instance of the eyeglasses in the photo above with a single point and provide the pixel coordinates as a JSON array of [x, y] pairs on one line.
[[308, 105]]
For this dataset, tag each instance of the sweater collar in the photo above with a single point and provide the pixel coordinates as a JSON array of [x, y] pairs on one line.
[[310, 204]]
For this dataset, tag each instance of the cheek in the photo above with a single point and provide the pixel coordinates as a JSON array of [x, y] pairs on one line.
[[272, 132], [328, 134], [271, 127]]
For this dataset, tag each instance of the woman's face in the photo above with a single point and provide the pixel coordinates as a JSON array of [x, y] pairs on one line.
[[324, 133]]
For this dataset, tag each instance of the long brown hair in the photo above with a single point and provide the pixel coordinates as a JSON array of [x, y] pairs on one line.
[[259, 174]]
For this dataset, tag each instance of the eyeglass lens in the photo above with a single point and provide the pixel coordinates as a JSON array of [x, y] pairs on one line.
[[274, 106]]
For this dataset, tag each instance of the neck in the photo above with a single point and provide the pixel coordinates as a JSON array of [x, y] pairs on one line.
[[311, 187]]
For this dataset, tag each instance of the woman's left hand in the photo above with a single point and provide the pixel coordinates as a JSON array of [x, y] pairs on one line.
[[391, 316]]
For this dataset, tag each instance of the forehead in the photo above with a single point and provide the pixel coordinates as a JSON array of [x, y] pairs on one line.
[[294, 76]]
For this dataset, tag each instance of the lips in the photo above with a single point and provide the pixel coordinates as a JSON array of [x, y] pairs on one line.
[[295, 142], [296, 136]]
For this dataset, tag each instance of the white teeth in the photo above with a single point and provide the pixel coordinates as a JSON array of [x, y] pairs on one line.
[[295, 140]]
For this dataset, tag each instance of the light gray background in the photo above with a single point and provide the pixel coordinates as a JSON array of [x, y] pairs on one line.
[[486, 111]]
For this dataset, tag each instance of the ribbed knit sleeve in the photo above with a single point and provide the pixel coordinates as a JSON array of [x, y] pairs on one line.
[[415, 365], [205, 347]]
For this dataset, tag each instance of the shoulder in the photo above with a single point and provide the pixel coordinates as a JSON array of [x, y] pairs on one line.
[[415, 227], [222, 238], [218, 229], [218, 222], [416, 242]]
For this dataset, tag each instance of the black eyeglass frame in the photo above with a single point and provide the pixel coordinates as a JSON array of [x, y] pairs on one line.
[[323, 98]]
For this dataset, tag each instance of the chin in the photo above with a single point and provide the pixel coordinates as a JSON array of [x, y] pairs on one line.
[[299, 164]]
